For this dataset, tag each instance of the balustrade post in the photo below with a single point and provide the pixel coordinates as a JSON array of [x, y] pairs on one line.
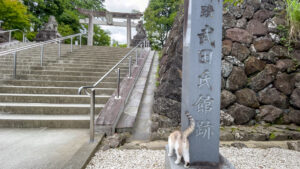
[[42, 54], [9, 37], [129, 68], [136, 56], [72, 44], [92, 116], [80, 40], [59, 49], [15, 65], [118, 84]]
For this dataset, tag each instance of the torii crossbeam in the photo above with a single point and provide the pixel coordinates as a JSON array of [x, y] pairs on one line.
[[109, 20]]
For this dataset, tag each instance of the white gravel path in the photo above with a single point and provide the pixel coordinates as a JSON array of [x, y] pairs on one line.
[[246, 158]]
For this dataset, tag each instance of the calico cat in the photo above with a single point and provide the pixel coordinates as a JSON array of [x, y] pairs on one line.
[[179, 141]]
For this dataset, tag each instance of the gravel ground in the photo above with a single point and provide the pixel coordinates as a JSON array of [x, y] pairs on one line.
[[246, 158]]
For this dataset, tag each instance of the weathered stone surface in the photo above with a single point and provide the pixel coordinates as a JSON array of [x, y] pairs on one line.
[[295, 98], [169, 108], [279, 51], [264, 78], [226, 119], [269, 113], [271, 96], [227, 46], [262, 15], [229, 21], [296, 55], [249, 11], [247, 97], [241, 23], [233, 60], [162, 121], [241, 52], [284, 64], [237, 79], [239, 35], [256, 28], [253, 65], [294, 145], [254, 3], [267, 57], [297, 80], [239, 145], [226, 136], [275, 37], [262, 45], [226, 68], [227, 98], [170, 81], [241, 114], [294, 116], [284, 83]]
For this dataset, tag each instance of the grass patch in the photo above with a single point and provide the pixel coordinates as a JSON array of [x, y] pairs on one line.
[[272, 136]]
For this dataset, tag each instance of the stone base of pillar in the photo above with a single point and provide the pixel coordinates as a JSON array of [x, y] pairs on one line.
[[170, 163]]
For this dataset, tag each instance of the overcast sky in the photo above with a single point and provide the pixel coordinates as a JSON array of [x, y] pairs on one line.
[[119, 33]]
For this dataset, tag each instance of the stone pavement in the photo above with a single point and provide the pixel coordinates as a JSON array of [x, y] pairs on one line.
[[39, 148]]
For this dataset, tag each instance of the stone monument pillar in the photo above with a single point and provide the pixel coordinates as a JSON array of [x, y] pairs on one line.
[[49, 31], [201, 83]]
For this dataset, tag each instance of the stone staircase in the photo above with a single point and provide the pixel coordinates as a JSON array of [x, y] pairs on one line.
[[47, 96]]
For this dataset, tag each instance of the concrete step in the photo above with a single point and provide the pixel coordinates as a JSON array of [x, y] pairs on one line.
[[57, 83], [50, 90], [84, 69], [60, 73], [63, 78], [51, 98], [46, 108], [91, 65], [50, 121]]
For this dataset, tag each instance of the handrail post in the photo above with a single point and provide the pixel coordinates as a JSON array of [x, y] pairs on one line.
[[92, 116], [42, 54], [71, 44], [118, 84], [15, 65], [23, 37], [9, 37], [59, 49], [80, 40], [129, 68], [136, 56]]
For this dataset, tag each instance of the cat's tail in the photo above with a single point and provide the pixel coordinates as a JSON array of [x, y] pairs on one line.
[[191, 127]]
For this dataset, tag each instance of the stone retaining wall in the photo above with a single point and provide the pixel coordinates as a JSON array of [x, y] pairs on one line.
[[261, 79]]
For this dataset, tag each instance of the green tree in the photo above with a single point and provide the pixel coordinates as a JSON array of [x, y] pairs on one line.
[[14, 14], [89, 4], [159, 17], [101, 37]]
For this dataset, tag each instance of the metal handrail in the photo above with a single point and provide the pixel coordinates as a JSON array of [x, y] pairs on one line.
[[107, 73], [144, 43], [12, 30], [40, 44]]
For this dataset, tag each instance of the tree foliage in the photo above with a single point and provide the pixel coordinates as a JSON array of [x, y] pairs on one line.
[[101, 37], [159, 17], [293, 17], [14, 14]]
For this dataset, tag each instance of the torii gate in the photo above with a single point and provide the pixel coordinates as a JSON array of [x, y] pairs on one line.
[[109, 21]]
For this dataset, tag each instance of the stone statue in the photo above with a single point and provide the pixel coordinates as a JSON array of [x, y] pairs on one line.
[[141, 34], [52, 24], [140, 29], [49, 31]]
